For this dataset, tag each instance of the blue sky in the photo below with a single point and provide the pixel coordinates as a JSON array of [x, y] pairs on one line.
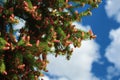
[[97, 59]]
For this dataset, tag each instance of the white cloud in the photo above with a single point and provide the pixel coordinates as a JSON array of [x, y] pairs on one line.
[[112, 72], [62, 78], [113, 54], [54, 78], [79, 26], [19, 25], [44, 78], [113, 9], [80, 65], [113, 50]]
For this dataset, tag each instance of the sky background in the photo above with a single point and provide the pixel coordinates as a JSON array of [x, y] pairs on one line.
[[97, 59]]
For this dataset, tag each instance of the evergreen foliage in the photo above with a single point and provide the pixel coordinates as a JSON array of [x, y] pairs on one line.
[[48, 30]]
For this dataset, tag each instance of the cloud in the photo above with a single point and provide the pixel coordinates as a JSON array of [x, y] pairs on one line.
[[19, 25], [54, 78], [62, 78], [113, 54], [79, 26], [44, 78], [113, 50], [80, 65], [113, 9], [112, 72]]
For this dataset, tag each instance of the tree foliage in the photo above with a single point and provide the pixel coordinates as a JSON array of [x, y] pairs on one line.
[[48, 30]]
